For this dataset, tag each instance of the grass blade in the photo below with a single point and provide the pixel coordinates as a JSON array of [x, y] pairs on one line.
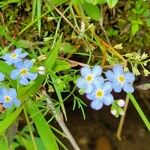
[[139, 110], [43, 128], [39, 15]]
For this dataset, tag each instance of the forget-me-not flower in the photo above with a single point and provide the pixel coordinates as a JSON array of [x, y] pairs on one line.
[[23, 73], [14, 57], [120, 79], [101, 95], [2, 76], [8, 97], [89, 77]]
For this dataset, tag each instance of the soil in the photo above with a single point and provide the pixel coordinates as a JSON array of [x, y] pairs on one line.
[[98, 130]]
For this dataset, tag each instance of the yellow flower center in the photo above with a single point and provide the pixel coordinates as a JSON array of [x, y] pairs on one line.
[[99, 93], [7, 99], [23, 71], [89, 78], [13, 55], [121, 79]]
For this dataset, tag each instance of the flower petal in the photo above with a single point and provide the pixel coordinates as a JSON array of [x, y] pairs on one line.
[[107, 87], [85, 71], [23, 80], [118, 70], [7, 105], [108, 99], [14, 74], [9, 61], [23, 55], [96, 71], [109, 75], [96, 104], [81, 83], [98, 82], [12, 93], [16, 102], [2, 76], [32, 76], [116, 86], [128, 88], [89, 88], [18, 51], [91, 96], [129, 77], [6, 56], [28, 64]]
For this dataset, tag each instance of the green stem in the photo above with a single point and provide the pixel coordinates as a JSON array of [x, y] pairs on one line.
[[30, 128], [139, 110]]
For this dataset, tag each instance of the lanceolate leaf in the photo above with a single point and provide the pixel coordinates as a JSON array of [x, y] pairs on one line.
[[53, 55], [92, 10], [4, 124], [112, 3], [43, 128]]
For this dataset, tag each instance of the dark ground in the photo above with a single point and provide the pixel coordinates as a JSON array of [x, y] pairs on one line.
[[100, 128]]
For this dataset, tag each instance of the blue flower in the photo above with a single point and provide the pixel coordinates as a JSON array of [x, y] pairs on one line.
[[8, 97], [22, 72], [120, 79], [14, 57], [2, 76], [101, 95], [89, 77]]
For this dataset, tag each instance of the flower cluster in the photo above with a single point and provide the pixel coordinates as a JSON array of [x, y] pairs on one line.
[[22, 67], [98, 89], [8, 97], [22, 72]]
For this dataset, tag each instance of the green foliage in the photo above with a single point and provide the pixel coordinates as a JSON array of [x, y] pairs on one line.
[[92, 10], [63, 36], [112, 3], [42, 127]]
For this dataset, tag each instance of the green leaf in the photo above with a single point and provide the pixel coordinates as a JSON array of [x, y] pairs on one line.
[[102, 1], [52, 3], [33, 9], [23, 43], [6, 69], [39, 15], [112, 3], [148, 22], [43, 128], [61, 65], [134, 28], [92, 10], [54, 78], [32, 89], [53, 55], [77, 2], [140, 111], [27, 142], [94, 2], [4, 124]]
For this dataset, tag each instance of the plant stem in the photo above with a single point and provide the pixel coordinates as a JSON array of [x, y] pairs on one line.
[[119, 131], [30, 129], [59, 118]]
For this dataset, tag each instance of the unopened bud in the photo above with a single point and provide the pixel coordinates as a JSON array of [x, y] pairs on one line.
[[41, 70]]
